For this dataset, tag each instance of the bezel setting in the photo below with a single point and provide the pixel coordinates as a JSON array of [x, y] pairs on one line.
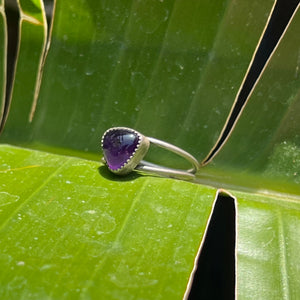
[[137, 155]]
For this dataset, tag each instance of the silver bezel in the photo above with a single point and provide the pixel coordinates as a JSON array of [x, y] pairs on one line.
[[138, 154]]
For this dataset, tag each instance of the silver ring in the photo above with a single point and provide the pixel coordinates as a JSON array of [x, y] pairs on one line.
[[124, 149]]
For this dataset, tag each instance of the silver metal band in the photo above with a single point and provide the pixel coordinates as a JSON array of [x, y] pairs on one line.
[[170, 172], [124, 149]]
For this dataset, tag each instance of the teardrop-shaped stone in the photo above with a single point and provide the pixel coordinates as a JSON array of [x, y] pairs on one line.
[[118, 146]]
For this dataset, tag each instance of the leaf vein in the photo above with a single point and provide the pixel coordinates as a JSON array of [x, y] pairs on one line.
[[283, 258]]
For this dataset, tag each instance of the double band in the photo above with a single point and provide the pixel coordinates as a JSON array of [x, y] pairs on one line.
[[124, 149]]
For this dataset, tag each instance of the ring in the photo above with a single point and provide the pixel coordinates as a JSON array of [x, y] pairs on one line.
[[124, 149]]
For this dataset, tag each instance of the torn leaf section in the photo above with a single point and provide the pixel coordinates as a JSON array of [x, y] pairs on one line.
[[214, 275], [3, 53], [28, 43], [32, 11], [279, 20], [12, 36], [266, 140], [48, 13]]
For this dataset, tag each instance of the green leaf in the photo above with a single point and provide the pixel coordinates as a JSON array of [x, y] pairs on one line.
[[268, 244], [28, 47], [111, 65], [266, 140], [171, 70], [66, 231], [32, 10]]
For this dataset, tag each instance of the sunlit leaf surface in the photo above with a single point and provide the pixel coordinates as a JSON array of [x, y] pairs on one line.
[[268, 247], [69, 228]]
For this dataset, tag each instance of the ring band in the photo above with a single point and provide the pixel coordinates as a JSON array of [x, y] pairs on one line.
[[124, 149]]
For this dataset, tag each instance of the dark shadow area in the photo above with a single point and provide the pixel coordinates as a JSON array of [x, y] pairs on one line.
[[215, 274], [12, 19], [49, 9], [104, 172], [281, 16]]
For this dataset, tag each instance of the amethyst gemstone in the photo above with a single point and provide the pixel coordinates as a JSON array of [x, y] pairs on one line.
[[118, 146]]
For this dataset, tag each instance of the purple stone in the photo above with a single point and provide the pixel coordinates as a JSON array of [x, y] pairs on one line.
[[118, 146]]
